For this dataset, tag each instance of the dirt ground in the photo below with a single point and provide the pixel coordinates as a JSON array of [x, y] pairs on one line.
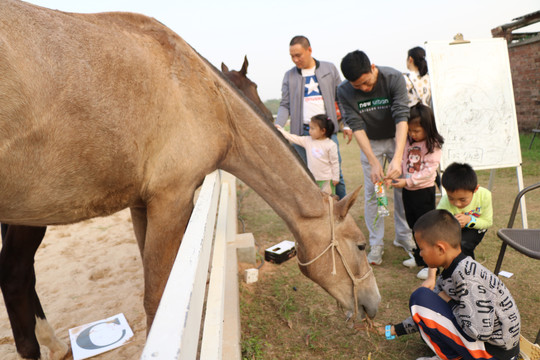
[[87, 272]]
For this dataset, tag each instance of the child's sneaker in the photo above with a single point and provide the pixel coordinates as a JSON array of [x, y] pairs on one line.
[[407, 244], [410, 263], [375, 255], [429, 358], [423, 275]]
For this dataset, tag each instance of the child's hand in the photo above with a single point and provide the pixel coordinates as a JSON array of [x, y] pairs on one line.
[[399, 183], [369, 325], [463, 219], [431, 279], [335, 182], [445, 296], [381, 330], [428, 283]]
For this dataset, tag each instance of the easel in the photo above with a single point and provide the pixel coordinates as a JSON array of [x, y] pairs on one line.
[[459, 40]]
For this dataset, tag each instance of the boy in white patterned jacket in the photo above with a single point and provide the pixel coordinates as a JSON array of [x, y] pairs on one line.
[[470, 314]]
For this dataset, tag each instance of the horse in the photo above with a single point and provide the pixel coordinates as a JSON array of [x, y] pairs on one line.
[[102, 112], [248, 87], [32, 236]]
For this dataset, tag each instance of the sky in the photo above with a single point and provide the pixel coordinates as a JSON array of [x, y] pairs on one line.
[[226, 31]]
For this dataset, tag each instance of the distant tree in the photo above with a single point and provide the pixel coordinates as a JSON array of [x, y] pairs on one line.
[[272, 105]]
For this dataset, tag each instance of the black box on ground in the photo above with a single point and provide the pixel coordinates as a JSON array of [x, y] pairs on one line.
[[280, 252]]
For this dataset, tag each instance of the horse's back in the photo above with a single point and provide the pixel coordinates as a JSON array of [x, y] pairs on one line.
[[89, 104]]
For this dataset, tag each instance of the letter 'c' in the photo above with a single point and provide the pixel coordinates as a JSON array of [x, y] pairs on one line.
[[84, 341]]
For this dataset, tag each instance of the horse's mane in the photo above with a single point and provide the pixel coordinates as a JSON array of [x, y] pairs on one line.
[[256, 109], [233, 86]]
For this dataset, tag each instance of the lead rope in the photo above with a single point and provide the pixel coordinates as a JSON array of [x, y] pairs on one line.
[[334, 244]]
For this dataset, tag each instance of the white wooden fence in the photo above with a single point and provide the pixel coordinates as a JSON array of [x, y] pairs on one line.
[[176, 332]]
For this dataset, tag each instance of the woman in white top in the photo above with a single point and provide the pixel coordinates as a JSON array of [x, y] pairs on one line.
[[418, 85]]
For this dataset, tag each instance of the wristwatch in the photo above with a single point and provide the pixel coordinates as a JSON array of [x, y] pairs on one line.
[[471, 223], [388, 334]]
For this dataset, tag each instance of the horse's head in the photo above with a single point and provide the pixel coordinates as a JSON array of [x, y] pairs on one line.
[[248, 87], [342, 268]]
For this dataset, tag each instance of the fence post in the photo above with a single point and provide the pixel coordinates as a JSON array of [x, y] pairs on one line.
[[231, 320]]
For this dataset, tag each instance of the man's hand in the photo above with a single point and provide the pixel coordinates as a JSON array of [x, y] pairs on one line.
[[377, 173], [394, 169], [347, 134]]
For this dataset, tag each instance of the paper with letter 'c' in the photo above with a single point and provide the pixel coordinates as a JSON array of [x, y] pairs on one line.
[[99, 336]]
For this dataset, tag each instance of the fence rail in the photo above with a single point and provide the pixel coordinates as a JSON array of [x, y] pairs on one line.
[[204, 254]]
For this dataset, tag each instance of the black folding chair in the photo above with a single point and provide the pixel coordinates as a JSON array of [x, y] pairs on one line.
[[525, 241], [535, 131]]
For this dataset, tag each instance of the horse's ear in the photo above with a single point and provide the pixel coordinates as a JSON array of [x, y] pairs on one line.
[[343, 205], [243, 71], [224, 68]]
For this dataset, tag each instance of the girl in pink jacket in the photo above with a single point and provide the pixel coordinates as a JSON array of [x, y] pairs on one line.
[[420, 163]]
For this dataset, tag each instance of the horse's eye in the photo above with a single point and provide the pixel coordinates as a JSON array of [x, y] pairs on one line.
[[361, 247]]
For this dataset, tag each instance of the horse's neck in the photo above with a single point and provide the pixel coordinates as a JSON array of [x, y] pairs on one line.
[[261, 159]]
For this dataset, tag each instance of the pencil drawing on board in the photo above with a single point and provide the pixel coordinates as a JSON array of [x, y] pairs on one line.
[[474, 104]]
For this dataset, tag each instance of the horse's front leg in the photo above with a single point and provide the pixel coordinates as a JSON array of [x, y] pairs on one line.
[[17, 280], [166, 222], [140, 221]]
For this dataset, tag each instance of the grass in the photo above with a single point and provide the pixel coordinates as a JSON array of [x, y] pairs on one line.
[[287, 316], [252, 349]]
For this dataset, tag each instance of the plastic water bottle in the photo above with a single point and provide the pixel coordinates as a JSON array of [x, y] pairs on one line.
[[382, 200]]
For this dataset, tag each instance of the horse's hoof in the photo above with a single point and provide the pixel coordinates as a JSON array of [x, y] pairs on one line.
[[60, 351]]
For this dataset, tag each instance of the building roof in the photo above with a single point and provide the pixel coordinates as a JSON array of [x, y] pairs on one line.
[[506, 30]]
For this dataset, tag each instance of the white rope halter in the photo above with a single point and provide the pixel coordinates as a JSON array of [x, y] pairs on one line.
[[334, 245]]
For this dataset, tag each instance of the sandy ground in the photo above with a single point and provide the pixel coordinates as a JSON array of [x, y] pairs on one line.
[[88, 272]]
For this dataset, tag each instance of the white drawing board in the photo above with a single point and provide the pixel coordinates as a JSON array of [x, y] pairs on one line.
[[473, 102]]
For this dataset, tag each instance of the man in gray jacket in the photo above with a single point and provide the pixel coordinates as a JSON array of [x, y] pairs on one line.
[[374, 103], [309, 89]]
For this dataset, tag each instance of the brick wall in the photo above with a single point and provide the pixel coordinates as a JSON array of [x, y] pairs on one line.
[[525, 68]]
